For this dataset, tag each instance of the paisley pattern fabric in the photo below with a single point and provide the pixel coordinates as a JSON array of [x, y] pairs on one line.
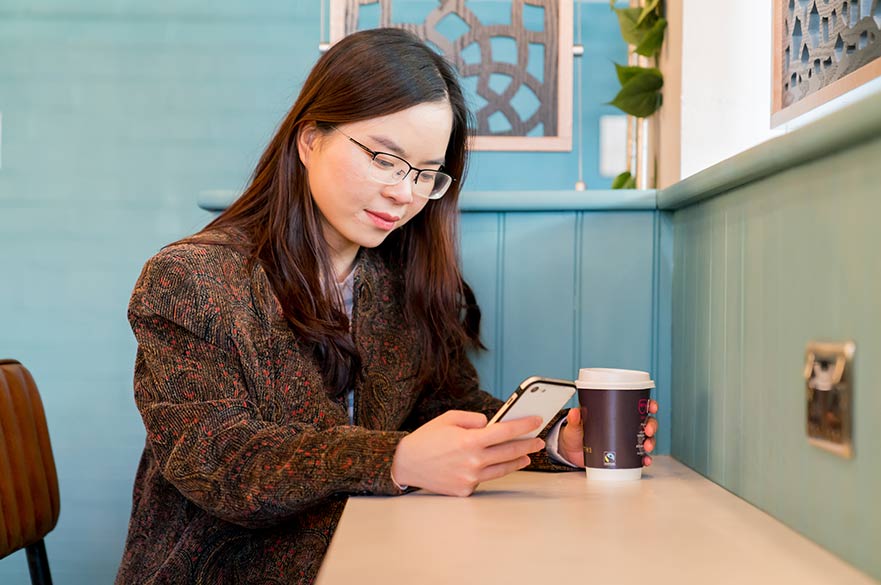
[[248, 462]]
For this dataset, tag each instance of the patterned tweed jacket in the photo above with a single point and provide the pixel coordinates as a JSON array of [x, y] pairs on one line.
[[248, 462]]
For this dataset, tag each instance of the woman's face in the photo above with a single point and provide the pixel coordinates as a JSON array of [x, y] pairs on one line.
[[356, 209]]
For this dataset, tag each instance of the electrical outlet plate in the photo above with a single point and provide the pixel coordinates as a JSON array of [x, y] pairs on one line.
[[829, 388]]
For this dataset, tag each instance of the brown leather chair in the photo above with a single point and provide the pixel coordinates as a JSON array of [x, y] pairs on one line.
[[29, 500]]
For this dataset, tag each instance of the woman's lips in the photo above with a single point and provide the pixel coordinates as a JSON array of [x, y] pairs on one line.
[[381, 220]]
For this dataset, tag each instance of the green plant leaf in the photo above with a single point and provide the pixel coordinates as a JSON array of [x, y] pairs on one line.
[[646, 25], [641, 95], [651, 42], [624, 181], [625, 72], [628, 72], [627, 18], [649, 8]]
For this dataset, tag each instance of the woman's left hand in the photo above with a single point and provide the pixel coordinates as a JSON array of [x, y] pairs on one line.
[[571, 444]]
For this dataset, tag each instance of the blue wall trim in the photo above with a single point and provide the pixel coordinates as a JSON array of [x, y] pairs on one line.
[[590, 200], [597, 200]]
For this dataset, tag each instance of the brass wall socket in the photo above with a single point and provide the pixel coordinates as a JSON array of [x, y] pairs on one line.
[[829, 386]]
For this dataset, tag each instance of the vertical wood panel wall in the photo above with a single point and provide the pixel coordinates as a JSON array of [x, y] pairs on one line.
[[561, 290], [760, 271]]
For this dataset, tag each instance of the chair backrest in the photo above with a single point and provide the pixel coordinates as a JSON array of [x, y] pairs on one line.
[[29, 502]]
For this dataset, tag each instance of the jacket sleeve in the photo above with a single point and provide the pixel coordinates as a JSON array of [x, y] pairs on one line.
[[461, 391], [205, 430]]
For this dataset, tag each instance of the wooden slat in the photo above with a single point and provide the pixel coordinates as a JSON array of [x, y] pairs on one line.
[[538, 281], [480, 266]]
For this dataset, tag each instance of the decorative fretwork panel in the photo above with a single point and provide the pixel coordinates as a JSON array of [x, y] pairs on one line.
[[514, 58], [823, 41]]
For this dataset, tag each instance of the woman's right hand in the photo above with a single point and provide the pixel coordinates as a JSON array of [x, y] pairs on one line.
[[456, 451]]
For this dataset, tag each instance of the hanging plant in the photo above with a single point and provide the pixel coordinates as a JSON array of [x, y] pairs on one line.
[[640, 94]]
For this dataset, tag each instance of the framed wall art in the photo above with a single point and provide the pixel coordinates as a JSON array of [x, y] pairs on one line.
[[514, 58], [822, 49]]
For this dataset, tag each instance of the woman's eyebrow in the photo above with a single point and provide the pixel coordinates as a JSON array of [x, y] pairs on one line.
[[395, 149]]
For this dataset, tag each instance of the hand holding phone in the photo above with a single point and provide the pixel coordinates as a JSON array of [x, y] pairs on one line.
[[543, 397]]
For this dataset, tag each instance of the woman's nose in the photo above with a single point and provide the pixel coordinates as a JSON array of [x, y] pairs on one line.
[[401, 192]]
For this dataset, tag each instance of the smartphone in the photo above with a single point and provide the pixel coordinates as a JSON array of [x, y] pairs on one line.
[[536, 396]]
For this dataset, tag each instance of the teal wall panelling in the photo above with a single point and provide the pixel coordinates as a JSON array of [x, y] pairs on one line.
[[761, 270], [571, 288], [662, 321], [616, 290], [538, 312], [481, 264]]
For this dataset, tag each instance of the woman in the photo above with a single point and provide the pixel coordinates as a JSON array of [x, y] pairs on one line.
[[311, 342]]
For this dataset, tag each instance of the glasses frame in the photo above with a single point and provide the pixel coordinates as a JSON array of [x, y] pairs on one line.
[[374, 153]]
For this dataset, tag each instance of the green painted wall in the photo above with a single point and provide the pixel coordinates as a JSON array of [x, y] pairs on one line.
[[758, 272]]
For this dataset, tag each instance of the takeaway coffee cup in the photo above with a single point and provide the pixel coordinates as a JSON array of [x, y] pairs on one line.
[[614, 407]]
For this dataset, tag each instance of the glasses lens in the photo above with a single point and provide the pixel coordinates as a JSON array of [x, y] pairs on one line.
[[388, 169], [391, 170], [432, 184]]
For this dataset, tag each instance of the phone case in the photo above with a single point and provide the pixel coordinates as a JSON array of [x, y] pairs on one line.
[[536, 396]]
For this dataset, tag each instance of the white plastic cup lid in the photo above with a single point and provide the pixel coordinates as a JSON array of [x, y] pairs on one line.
[[612, 379]]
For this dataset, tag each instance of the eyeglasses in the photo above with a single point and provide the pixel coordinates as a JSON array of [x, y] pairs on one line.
[[389, 169]]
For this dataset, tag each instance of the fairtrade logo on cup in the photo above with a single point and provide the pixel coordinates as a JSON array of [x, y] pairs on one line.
[[614, 408]]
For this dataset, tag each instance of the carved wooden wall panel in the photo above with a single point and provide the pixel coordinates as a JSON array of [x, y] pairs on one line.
[[515, 59], [823, 48]]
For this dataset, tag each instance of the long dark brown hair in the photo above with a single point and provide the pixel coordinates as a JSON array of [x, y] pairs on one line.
[[365, 75]]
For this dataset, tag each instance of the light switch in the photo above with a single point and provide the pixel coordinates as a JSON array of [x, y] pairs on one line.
[[613, 145], [829, 386]]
